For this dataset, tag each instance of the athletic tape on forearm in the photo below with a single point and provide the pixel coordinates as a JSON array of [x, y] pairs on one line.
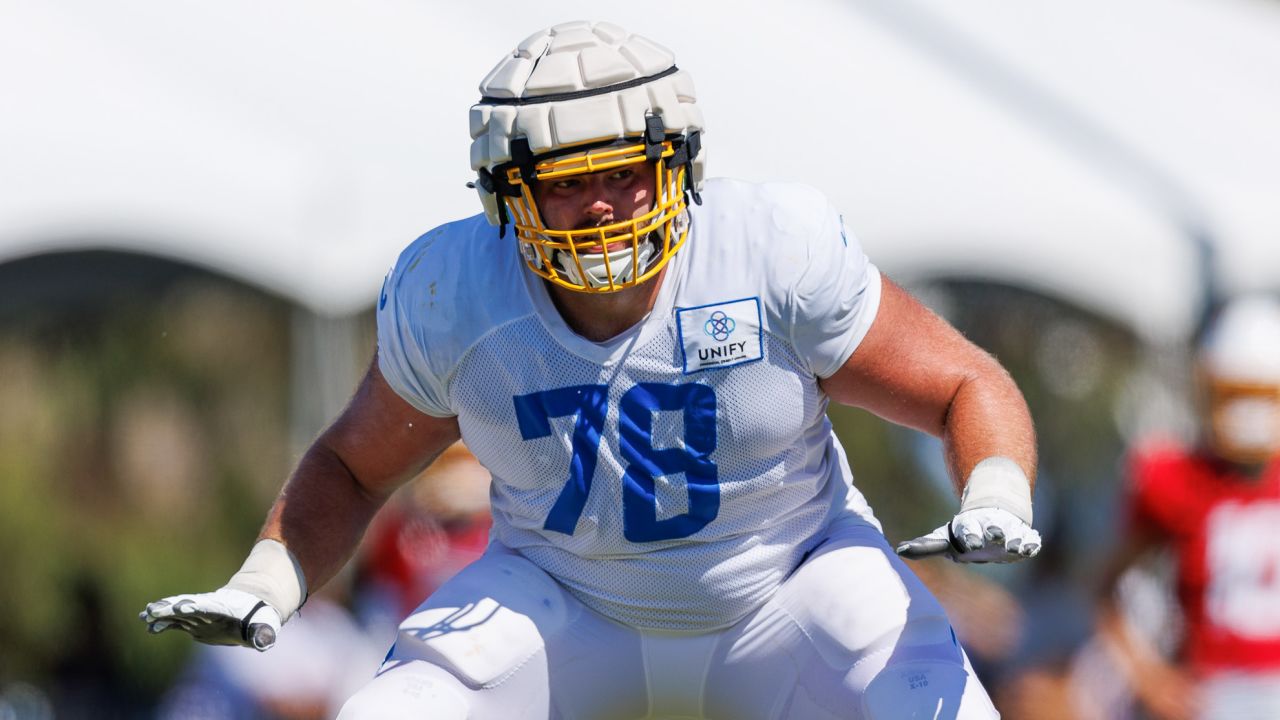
[[273, 574], [998, 482]]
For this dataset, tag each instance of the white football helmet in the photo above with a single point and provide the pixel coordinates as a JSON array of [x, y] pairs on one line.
[[1239, 365], [581, 98]]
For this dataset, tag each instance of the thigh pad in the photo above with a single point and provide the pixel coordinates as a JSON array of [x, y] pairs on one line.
[[916, 687], [487, 622]]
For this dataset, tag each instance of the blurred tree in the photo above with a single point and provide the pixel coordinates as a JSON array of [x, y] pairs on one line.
[[143, 429]]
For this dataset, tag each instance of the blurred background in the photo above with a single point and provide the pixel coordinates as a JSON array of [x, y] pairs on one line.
[[198, 202]]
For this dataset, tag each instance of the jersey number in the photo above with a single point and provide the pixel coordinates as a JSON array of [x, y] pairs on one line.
[[589, 404], [1243, 558]]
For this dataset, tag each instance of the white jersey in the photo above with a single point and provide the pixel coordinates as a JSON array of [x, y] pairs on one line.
[[671, 477]]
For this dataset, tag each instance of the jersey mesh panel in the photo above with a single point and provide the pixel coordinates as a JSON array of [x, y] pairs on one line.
[[775, 490]]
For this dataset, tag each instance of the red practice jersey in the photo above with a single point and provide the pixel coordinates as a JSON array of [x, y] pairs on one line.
[[1225, 529]]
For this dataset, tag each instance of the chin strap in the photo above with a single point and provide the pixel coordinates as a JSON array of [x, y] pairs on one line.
[[685, 153], [568, 268]]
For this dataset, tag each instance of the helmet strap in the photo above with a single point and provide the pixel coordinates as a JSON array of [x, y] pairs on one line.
[[685, 152], [654, 134]]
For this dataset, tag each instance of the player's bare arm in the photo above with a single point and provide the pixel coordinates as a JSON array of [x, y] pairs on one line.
[[916, 370], [377, 444]]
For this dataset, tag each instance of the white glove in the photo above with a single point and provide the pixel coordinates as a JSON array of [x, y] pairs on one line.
[[994, 522], [248, 610], [980, 535], [222, 617]]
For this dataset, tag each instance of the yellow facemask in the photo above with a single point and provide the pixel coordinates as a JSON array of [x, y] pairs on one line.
[[580, 259]]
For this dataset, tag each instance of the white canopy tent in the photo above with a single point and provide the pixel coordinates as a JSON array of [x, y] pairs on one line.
[[1185, 95], [299, 145]]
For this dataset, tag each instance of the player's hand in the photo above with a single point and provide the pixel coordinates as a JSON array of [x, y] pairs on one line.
[[980, 535], [221, 617]]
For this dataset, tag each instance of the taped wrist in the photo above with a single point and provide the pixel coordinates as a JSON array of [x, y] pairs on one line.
[[998, 482], [273, 574]]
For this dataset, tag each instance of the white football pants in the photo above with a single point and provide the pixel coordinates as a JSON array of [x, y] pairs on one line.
[[852, 633]]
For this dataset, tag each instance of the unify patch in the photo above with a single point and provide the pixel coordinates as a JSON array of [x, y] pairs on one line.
[[720, 335]]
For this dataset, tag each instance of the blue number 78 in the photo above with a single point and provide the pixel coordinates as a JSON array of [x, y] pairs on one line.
[[589, 405]]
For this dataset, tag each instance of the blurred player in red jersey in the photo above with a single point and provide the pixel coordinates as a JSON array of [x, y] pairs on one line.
[[440, 527], [1217, 507]]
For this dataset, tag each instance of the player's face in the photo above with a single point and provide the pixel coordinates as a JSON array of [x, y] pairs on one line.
[[1243, 421], [585, 201]]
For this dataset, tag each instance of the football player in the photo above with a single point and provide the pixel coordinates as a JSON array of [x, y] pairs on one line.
[[1217, 506], [643, 359]]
